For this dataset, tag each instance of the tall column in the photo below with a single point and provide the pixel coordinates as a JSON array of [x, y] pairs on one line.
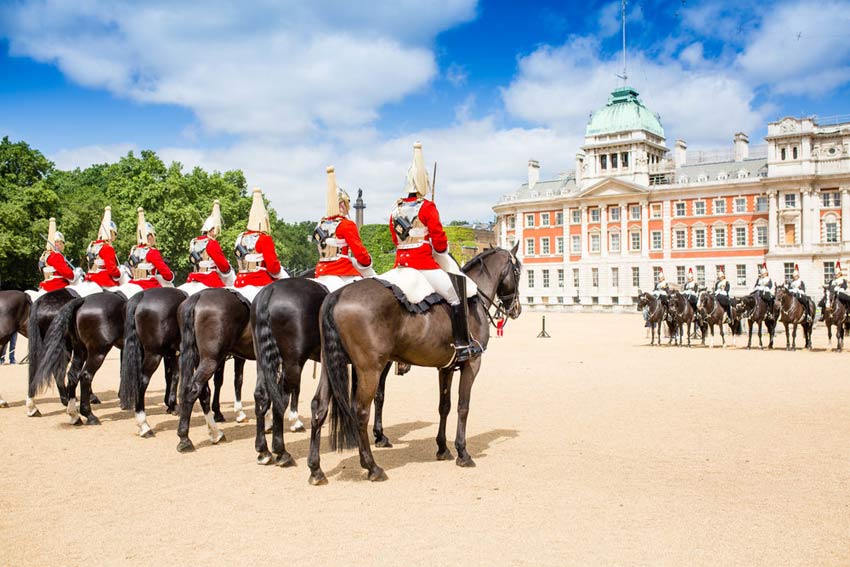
[[666, 236], [814, 219], [845, 213], [806, 219], [772, 220], [603, 224], [624, 229], [644, 229]]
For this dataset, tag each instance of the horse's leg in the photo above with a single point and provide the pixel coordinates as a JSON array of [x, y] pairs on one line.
[[446, 375], [711, 326], [794, 338], [367, 385], [689, 333], [761, 346], [291, 372], [467, 378], [78, 359], [216, 434], [192, 388], [218, 382], [93, 363], [238, 375], [262, 403], [149, 365], [292, 378], [722, 333], [378, 428], [318, 413], [171, 379], [750, 327]]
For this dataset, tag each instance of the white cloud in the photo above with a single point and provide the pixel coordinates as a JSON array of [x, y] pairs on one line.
[[456, 74], [84, 156]]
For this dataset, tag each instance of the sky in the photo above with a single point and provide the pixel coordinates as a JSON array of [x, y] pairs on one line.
[[282, 89]]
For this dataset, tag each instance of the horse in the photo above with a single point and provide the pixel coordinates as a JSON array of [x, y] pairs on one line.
[[364, 324], [792, 312], [757, 310], [682, 314], [834, 313], [152, 334], [657, 313], [711, 313], [14, 315]]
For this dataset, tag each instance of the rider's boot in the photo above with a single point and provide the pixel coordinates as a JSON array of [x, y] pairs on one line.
[[465, 348]]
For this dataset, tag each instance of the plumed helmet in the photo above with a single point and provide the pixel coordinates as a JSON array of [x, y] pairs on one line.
[[51, 234], [331, 194], [660, 274], [417, 180], [258, 217], [143, 228], [796, 273], [838, 271], [106, 225], [764, 269], [690, 273], [59, 237], [212, 225]]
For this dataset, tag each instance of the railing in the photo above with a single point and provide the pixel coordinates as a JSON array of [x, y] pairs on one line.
[[831, 120]]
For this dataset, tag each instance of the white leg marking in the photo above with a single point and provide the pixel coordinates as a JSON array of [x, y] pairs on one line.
[[269, 423], [240, 415], [295, 422], [142, 422], [3, 403], [72, 410], [31, 409], [215, 433]]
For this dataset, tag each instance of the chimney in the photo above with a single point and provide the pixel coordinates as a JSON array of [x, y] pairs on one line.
[[680, 153], [533, 173], [579, 167], [742, 146]]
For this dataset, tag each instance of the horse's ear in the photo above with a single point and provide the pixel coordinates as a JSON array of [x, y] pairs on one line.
[[515, 249]]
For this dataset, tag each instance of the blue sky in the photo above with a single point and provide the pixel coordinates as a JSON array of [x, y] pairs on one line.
[[286, 88]]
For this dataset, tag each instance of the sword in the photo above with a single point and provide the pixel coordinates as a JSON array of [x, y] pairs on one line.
[[434, 182]]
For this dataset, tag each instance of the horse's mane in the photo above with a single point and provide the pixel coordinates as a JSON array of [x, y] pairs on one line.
[[479, 258]]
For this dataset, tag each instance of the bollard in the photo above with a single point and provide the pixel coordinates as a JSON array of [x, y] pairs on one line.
[[543, 334]]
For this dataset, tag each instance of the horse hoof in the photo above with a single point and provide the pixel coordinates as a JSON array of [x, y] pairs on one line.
[[92, 420], [78, 421], [268, 428], [185, 446], [219, 418], [4, 404], [241, 418], [264, 458], [318, 478], [64, 400], [377, 475], [284, 460], [297, 428], [147, 434], [216, 439], [123, 406], [383, 442], [93, 399], [465, 462], [172, 411], [34, 413], [445, 455]]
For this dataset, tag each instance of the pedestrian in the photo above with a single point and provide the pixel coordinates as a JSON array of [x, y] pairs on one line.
[[500, 327], [12, 342]]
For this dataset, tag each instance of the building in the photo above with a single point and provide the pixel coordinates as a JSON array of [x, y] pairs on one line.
[[593, 238]]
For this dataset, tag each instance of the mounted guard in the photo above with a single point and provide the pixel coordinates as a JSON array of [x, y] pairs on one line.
[[255, 252], [765, 288], [721, 292], [210, 267], [661, 289], [57, 270], [421, 245], [798, 288], [342, 256], [839, 286], [146, 264], [691, 291]]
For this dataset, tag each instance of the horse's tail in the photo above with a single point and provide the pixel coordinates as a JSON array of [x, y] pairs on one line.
[[34, 346], [131, 357], [344, 427], [189, 356], [55, 355], [268, 354]]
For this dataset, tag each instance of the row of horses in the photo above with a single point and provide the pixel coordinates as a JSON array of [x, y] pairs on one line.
[[786, 309], [357, 332]]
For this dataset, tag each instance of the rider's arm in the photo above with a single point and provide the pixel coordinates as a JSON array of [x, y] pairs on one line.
[[60, 264], [110, 262], [265, 246], [347, 230], [155, 258], [216, 254], [431, 218]]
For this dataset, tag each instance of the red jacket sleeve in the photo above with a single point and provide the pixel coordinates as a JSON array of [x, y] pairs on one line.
[[60, 264], [217, 255], [392, 231], [348, 231], [265, 246], [110, 261], [431, 218], [155, 258]]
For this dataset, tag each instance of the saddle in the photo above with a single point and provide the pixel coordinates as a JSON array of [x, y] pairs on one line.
[[414, 292]]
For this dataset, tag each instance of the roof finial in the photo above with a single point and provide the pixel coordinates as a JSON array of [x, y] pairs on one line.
[[624, 74]]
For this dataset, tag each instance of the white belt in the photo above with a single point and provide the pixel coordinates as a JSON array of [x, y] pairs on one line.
[[403, 246], [253, 258]]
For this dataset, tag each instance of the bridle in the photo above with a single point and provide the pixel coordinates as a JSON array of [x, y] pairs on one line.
[[504, 305]]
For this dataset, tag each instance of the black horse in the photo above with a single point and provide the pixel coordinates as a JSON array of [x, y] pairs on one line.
[[758, 311], [657, 313], [682, 315], [14, 314], [834, 313]]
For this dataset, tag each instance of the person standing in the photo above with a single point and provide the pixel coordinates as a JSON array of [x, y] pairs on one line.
[[13, 341]]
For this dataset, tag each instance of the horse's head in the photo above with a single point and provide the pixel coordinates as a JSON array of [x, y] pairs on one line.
[[643, 300], [704, 298], [828, 298], [499, 270]]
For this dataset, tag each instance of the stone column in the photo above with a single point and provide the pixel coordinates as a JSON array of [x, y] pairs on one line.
[[603, 225], [814, 217], [624, 229], [845, 213], [805, 219], [644, 229], [772, 220]]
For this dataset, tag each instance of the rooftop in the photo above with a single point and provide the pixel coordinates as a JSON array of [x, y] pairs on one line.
[[624, 112]]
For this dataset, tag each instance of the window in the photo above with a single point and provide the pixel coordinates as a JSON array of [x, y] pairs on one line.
[[782, 154], [830, 199], [615, 276], [761, 204], [740, 236], [720, 206], [699, 208], [603, 161], [594, 242], [680, 275], [545, 278], [529, 300], [790, 200], [701, 275], [719, 236], [559, 218], [594, 215], [615, 241], [794, 152], [529, 247], [831, 230], [575, 278], [679, 210], [575, 244], [614, 213], [790, 234], [530, 278], [634, 212], [560, 278], [828, 272], [741, 274], [624, 159], [788, 269], [656, 240], [512, 221], [544, 219], [681, 237], [614, 161], [559, 245], [761, 236], [544, 245], [655, 210], [529, 220], [635, 236], [635, 276], [741, 205], [594, 276], [575, 216], [699, 238]]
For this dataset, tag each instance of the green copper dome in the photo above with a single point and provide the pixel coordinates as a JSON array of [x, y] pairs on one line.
[[624, 111]]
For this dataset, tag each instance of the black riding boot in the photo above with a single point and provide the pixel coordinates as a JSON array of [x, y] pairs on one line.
[[465, 348]]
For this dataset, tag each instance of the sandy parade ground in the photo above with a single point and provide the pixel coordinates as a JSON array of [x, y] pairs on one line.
[[592, 449]]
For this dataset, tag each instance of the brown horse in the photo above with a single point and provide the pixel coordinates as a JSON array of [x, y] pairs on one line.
[[14, 314], [711, 313], [364, 323], [657, 313], [834, 313], [757, 311], [682, 315], [792, 312]]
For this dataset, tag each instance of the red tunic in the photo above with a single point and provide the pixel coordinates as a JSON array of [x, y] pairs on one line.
[[347, 231], [211, 279], [154, 258], [62, 275], [420, 257], [271, 265], [109, 274]]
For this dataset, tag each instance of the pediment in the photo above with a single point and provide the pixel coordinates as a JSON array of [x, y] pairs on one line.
[[612, 187]]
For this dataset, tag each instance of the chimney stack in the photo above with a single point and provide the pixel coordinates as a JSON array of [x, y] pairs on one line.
[[680, 153], [579, 168], [533, 173], [742, 146]]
